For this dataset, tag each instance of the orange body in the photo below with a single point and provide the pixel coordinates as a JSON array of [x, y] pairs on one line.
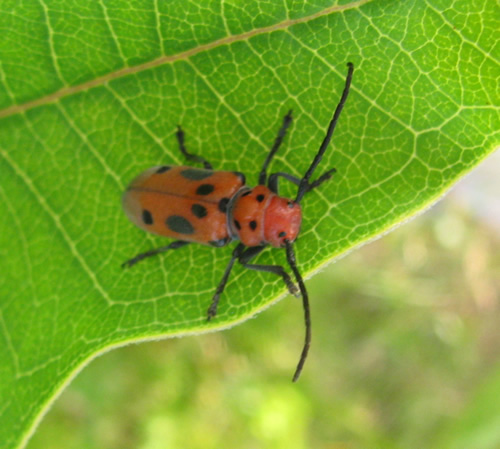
[[209, 207]]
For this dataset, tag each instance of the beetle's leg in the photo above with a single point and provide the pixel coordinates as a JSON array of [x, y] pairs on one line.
[[273, 180], [287, 120], [189, 156], [244, 256], [253, 251], [152, 252], [212, 310]]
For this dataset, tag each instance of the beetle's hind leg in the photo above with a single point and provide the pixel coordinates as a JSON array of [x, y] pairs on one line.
[[189, 156], [250, 253], [243, 255], [153, 252]]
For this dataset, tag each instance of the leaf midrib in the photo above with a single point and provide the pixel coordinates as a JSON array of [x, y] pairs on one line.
[[70, 90]]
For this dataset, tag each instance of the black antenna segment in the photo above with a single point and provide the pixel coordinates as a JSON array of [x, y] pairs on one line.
[[304, 182]]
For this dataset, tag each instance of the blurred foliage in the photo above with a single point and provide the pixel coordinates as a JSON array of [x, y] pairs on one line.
[[90, 95], [405, 355]]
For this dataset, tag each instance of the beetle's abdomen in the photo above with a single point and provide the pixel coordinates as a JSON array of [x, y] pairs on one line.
[[183, 203]]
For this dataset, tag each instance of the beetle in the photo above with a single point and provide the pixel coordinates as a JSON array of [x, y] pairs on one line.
[[194, 205]]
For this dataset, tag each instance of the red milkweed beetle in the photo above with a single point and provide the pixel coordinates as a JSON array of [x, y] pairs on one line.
[[216, 207]]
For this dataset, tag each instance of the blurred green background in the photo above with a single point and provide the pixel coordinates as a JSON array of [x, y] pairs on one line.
[[405, 354]]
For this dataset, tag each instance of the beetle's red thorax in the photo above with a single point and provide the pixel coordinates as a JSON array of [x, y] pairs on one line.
[[282, 221], [261, 217]]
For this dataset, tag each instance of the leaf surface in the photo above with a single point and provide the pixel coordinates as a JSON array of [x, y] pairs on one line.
[[90, 95]]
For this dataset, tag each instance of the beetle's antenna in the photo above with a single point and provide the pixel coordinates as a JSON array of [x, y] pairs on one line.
[[304, 182], [287, 120], [290, 256]]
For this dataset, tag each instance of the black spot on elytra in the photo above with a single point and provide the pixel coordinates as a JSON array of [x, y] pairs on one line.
[[205, 189], [163, 169], [179, 224], [147, 218], [223, 205], [282, 234], [241, 176], [196, 174], [220, 242], [237, 224], [290, 204], [260, 198], [198, 210], [253, 225], [247, 193]]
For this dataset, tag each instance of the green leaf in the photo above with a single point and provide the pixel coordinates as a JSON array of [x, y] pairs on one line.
[[90, 95]]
